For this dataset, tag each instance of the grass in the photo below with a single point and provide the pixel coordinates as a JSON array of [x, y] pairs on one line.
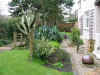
[[16, 63]]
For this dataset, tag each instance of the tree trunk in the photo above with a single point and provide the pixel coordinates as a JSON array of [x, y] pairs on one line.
[[77, 48], [15, 39], [31, 43]]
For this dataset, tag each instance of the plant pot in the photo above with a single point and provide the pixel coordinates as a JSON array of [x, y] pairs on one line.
[[87, 59], [91, 45]]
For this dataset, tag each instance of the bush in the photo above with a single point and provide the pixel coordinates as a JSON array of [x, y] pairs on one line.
[[75, 38], [44, 48], [58, 56], [48, 33], [4, 42], [54, 44], [7, 27], [64, 35]]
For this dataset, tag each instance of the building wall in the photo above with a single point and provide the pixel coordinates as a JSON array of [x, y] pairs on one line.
[[86, 17], [98, 19]]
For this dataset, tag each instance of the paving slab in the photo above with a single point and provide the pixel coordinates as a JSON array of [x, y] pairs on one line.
[[78, 67]]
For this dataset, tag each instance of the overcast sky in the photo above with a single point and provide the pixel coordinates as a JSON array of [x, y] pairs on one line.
[[4, 7]]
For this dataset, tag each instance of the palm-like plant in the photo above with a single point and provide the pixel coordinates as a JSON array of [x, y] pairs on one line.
[[27, 26]]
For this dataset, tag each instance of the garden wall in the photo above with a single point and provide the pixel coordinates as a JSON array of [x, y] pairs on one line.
[[66, 27]]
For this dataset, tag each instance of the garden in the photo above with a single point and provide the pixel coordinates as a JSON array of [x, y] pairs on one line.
[[35, 39]]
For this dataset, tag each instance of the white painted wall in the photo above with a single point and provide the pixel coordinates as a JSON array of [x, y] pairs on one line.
[[86, 5], [97, 33], [4, 8]]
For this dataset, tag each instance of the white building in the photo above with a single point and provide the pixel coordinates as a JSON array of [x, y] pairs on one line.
[[89, 21], [4, 8]]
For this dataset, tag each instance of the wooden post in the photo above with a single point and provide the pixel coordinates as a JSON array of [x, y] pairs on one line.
[[31, 43]]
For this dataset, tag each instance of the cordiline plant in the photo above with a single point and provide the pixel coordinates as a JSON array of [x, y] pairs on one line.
[[27, 26]]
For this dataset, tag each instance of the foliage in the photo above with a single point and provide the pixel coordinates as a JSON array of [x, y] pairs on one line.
[[7, 27], [54, 44], [16, 62], [75, 37], [50, 10], [4, 42], [27, 27], [48, 33], [27, 22], [63, 35], [69, 34], [59, 56], [66, 27], [58, 64], [44, 48], [72, 20]]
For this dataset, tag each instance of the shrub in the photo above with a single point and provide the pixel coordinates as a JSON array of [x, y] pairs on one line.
[[59, 65], [64, 35], [7, 27], [54, 44], [44, 48], [75, 38], [48, 33], [58, 56], [4, 42]]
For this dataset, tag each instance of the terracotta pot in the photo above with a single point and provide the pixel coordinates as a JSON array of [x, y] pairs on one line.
[[87, 59]]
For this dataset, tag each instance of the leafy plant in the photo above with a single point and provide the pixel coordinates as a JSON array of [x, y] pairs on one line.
[[75, 37], [43, 48], [7, 27], [4, 42], [54, 44], [63, 35], [58, 65], [72, 20], [48, 33], [27, 27]]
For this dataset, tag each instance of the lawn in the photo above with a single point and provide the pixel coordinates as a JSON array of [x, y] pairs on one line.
[[16, 62]]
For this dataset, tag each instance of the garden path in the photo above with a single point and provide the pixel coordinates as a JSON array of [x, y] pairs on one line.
[[78, 67], [6, 48], [9, 47]]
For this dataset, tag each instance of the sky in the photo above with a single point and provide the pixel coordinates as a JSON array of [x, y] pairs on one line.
[[4, 7]]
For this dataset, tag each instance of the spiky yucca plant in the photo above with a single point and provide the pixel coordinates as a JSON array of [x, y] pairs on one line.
[[27, 26]]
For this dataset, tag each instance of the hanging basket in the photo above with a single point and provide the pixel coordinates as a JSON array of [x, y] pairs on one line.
[[97, 3]]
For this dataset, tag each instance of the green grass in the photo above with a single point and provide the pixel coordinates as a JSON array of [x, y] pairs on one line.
[[54, 44], [16, 63]]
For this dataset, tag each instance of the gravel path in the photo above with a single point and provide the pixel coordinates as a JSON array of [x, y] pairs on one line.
[[78, 67]]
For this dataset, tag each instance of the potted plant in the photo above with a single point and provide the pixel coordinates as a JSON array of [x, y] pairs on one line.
[[97, 2]]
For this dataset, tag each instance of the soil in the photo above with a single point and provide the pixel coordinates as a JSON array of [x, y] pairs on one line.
[[64, 58]]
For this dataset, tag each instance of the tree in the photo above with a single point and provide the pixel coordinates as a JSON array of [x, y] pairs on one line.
[[50, 10], [27, 26], [75, 37]]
